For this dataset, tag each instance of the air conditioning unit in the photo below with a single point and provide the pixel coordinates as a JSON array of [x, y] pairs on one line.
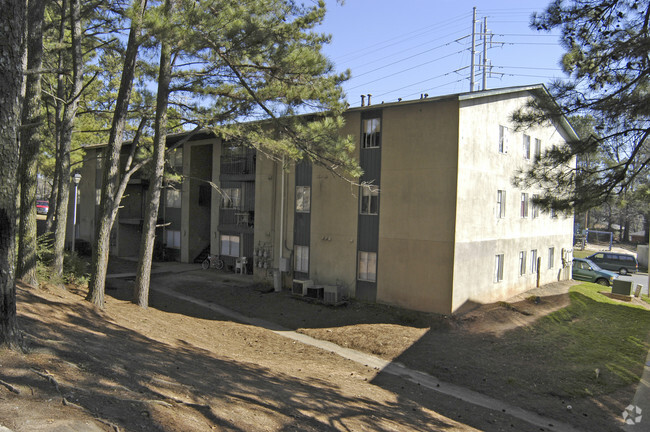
[[299, 287], [333, 294]]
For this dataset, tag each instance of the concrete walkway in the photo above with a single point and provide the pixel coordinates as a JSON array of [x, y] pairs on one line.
[[392, 368]]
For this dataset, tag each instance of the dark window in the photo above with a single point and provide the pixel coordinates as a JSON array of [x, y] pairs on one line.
[[371, 133]]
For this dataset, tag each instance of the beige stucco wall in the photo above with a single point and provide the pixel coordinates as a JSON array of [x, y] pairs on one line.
[[86, 205], [480, 235], [268, 198], [334, 218], [417, 205]]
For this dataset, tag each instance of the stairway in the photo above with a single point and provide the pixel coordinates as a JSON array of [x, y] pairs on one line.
[[203, 255]]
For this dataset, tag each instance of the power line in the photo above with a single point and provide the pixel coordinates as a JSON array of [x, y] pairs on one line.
[[409, 35], [405, 70], [408, 38], [417, 46], [410, 57]]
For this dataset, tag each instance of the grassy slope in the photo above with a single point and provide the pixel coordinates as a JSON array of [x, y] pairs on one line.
[[593, 346]]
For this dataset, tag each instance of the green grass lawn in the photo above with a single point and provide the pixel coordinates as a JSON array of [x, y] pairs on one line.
[[581, 253], [593, 346]]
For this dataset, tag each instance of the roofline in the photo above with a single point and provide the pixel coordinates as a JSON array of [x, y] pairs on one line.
[[532, 88]]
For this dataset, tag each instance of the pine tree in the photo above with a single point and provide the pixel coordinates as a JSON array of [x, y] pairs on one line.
[[608, 66], [110, 181], [30, 139], [238, 63], [12, 21]]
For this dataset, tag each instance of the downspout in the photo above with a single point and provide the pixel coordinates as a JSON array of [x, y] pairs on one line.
[[278, 283]]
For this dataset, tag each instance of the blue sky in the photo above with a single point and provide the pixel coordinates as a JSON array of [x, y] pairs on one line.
[[400, 49]]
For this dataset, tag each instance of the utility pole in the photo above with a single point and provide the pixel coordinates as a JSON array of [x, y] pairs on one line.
[[485, 35], [473, 50]]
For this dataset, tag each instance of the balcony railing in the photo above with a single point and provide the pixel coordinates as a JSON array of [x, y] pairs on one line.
[[238, 165]]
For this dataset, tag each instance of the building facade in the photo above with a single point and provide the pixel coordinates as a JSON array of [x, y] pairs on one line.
[[434, 223]]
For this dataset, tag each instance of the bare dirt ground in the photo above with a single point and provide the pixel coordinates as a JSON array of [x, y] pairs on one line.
[[176, 367]]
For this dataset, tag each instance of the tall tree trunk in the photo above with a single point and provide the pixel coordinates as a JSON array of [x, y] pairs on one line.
[[69, 113], [30, 139], [59, 102], [143, 276], [110, 178], [12, 20], [54, 194]]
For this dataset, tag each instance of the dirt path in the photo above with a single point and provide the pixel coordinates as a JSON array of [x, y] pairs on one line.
[[127, 369]]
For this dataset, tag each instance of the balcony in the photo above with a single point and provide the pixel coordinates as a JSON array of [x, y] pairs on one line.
[[236, 220], [238, 167]]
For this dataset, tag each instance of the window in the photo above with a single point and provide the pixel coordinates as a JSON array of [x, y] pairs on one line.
[[98, 196], [303, 199], [173, 197], [302, 259], [230, 198], [553, 214], [369, 200], [501, 204], [535, 206], [176, 158], [498, 268], [538, 149], [533, 261], [371, 133], [173, 239], [368, 266], [551, 257], [503, 139], [526, 146], [522, 263], [229, 245], [524, 205]]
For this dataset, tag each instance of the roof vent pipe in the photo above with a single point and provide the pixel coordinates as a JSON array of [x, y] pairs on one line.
[[369, 99], [363, 100]]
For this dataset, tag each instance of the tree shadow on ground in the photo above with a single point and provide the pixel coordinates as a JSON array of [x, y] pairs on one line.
[[140, 383], [571, 357]]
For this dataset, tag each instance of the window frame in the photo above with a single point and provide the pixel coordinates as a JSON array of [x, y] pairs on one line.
[[369, 193], [537, 150], [363, 263], [522, 263], [524, 205], [301, 193], [228, 239], [503, 139], [501, 204], [229, 197], [498, 268], [301, 259], [551, 257], [175, 237], [371, 132], [173, 197], [526, 146], [533, 261], [176, 158]]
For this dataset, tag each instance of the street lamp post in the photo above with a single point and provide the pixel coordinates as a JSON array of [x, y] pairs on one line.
[[76, 179]]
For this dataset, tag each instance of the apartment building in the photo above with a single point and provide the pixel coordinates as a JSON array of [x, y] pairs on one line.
[[435, 225]]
